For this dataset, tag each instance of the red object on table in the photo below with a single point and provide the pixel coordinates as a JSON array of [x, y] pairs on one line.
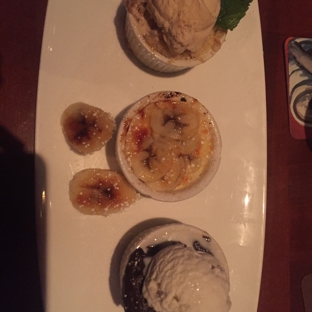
[[288, 243]]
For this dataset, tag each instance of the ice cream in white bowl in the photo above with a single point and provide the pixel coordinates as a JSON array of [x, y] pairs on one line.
[[170, 36], [174, 268], [168, 146]]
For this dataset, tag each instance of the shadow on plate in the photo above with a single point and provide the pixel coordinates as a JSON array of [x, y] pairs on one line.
[[20, 277], [114, 283]]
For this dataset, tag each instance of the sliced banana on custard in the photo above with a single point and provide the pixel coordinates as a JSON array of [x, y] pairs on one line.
[[172, 179], [189, 146], [193, 162], [175, 120], [153, 161], [101, 192], [87, 128]]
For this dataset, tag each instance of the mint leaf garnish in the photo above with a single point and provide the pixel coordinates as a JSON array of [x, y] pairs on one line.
[[231, 12]]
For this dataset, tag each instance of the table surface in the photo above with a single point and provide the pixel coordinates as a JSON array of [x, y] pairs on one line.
[[288, 244]]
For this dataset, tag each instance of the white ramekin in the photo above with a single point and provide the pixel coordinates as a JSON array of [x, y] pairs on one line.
[[155, 60], [198, 184], [184, 233]]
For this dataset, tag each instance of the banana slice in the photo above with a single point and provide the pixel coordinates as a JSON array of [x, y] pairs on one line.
[[189, 146], [193, 162], [153, 161], [101, 192], [175, 120], [172, 179], [87, 128]]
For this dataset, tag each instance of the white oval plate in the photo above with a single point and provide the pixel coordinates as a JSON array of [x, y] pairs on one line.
[[85, 58]]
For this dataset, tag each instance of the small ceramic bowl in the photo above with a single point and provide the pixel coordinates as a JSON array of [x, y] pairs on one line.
[[209, 147], [159, 62], [171, 232]]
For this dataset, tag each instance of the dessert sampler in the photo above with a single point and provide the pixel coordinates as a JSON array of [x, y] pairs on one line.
[[173, 268], [169, 148]]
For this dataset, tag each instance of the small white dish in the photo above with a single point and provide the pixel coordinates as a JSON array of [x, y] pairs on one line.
[[178, 232], [200, 179], [155, 60], [161, 246]]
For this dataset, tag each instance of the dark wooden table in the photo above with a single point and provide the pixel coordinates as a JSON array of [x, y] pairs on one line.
[[288, 243]]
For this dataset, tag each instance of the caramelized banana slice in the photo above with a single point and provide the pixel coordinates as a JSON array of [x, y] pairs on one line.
[[175, 120], [87, 128], [153, 161], [189, 146], [172, 179], [101, 192], [199, 157], [193, 162]]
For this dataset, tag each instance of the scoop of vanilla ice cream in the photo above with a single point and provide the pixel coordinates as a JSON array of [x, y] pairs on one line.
[[180, 279], [185, 24]]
